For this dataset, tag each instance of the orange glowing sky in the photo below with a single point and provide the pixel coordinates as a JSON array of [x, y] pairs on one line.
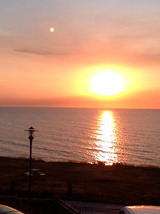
[[44, 67]]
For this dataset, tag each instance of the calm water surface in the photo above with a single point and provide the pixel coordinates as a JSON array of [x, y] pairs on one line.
[[91, 135]]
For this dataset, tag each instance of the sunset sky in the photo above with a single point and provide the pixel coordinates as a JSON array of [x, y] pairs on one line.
[[43, 68]]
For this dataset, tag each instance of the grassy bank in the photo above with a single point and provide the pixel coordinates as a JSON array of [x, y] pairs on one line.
[[121, 184]]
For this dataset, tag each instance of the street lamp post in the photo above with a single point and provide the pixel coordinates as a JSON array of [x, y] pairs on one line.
[[31, 131]]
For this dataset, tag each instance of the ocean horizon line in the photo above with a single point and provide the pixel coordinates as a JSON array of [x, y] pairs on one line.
[[67, 107]]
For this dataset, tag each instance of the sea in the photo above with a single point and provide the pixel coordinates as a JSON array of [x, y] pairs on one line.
[[108, 136]]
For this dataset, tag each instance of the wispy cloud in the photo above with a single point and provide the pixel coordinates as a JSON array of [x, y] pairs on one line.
[[38, 52], [142, 99]]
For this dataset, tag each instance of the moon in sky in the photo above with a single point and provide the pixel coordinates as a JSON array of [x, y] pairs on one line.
[[51, 29], [107, 83]]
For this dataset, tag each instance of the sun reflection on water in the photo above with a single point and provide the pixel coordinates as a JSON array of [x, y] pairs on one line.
[[106, 139]]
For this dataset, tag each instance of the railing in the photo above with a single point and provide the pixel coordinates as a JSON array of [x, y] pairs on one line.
[[65, 208]]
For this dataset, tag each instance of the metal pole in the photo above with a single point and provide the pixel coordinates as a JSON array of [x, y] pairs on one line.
[[30, 166]]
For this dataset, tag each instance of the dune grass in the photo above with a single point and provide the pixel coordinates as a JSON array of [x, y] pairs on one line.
[[120, 184]]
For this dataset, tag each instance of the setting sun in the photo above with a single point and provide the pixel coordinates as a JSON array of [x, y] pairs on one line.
[[107, 83]]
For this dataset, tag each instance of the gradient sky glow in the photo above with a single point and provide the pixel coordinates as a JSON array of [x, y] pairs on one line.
[[43, 68]]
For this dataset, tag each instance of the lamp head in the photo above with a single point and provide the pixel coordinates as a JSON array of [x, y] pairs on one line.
[[31, 131]]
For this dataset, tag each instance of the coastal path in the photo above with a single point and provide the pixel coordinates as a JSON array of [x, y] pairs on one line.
[[95, 208]]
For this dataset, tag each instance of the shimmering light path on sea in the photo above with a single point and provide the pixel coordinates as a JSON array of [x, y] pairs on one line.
[[106, 138]]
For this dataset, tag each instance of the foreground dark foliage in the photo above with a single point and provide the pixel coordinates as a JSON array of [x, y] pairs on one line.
[[120, 184]]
